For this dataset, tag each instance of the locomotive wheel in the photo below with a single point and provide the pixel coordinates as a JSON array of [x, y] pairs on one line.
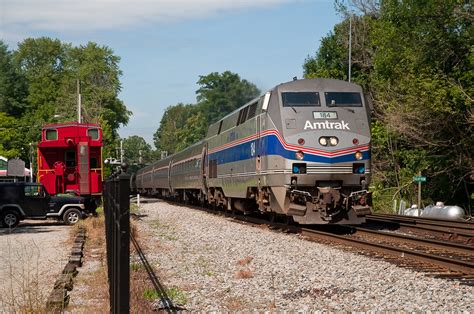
[[10, 219], [72, 216]]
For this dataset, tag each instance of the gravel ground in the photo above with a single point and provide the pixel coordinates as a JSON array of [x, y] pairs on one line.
[[32, 257], [209, 263]]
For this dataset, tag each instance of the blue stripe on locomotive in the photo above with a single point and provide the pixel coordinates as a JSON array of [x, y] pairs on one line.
[[270, 145]]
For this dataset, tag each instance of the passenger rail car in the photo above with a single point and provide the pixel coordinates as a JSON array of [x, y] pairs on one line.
[[302, 150]]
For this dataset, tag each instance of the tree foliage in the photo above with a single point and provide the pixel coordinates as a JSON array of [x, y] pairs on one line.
[[38, 85], [218, 95], [135, 147], [415, 60]]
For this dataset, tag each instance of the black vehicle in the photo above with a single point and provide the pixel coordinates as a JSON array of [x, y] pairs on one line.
[[23, 200]]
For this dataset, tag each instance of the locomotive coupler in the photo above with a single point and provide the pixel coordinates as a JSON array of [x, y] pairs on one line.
[[328, 202]]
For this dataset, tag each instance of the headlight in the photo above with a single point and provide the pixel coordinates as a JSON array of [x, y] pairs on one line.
[[358, 155], [299, 155], [333, 141], [323, 141]]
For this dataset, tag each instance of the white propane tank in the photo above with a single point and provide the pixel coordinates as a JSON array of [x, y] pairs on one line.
[[413, 211], [440, 211]]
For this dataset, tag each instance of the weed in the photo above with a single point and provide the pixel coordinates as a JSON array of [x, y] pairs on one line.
[[150, 294], [21, 290], [136, 266], [234, 304], [158, 224], [177, 296], [245, 261], [99, 210], [244, 274]]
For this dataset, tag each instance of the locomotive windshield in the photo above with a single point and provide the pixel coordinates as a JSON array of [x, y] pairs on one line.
[[343, 99], [300, 99]]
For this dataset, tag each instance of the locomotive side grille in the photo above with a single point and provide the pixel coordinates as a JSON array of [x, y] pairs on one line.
[[331, 169]]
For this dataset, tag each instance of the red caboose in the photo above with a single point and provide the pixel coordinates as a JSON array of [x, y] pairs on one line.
[[70, 159]]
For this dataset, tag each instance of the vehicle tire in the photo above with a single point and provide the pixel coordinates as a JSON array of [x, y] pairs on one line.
[[72, 216], [10, 219]]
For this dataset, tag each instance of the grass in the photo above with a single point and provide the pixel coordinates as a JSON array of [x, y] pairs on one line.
[[136, 266], [177, 296]]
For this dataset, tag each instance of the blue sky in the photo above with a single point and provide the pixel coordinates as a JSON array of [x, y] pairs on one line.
[[165, 45]]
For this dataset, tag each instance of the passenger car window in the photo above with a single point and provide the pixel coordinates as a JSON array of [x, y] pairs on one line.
[[343, 99], [300, 99]]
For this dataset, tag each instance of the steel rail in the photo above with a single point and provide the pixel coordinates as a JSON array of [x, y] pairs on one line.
[[165, 299], [451, 264], [464, 267], [433, 230], [443, 245], [456, 224]]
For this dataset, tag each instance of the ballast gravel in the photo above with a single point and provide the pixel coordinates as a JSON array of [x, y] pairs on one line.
[[211, 263]]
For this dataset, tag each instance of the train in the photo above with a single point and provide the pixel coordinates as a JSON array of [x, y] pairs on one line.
[[299, 151], [70, 160]]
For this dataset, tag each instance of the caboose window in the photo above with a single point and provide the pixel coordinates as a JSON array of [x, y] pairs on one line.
[[300, 99], [93, 134], [70, 158], [51, 135], [340, 99]]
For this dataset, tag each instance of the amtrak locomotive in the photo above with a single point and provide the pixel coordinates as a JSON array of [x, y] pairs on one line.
[[301, 150]]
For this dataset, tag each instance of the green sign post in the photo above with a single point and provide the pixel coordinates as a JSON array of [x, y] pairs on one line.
[[419, 178]]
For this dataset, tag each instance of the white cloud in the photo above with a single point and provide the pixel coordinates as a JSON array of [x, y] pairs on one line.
[[90, 15]]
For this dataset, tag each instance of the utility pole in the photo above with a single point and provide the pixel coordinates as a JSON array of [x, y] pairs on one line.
[[79, 118], [121, 151], [350, 44]]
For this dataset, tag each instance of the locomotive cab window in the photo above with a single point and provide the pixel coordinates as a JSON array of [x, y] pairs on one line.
[[93, 134], [300, 99], [51, 135], [343, 99]]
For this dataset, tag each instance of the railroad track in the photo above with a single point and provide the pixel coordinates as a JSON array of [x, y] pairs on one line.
[[455, 231], [441, 258], [437, 258], [167, 304]]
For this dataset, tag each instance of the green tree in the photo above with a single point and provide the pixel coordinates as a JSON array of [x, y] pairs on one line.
[[11, 144], [47, 71], [221, 93], [174, 118], [42, 62], [218, 95], [134, 147], [13, 89], [97, 69], [418, 70], [193, 130]]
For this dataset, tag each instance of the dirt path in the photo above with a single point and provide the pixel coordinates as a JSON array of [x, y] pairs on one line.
[[31, 258]]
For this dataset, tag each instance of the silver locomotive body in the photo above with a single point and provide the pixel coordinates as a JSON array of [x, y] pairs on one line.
[[301, 150]]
